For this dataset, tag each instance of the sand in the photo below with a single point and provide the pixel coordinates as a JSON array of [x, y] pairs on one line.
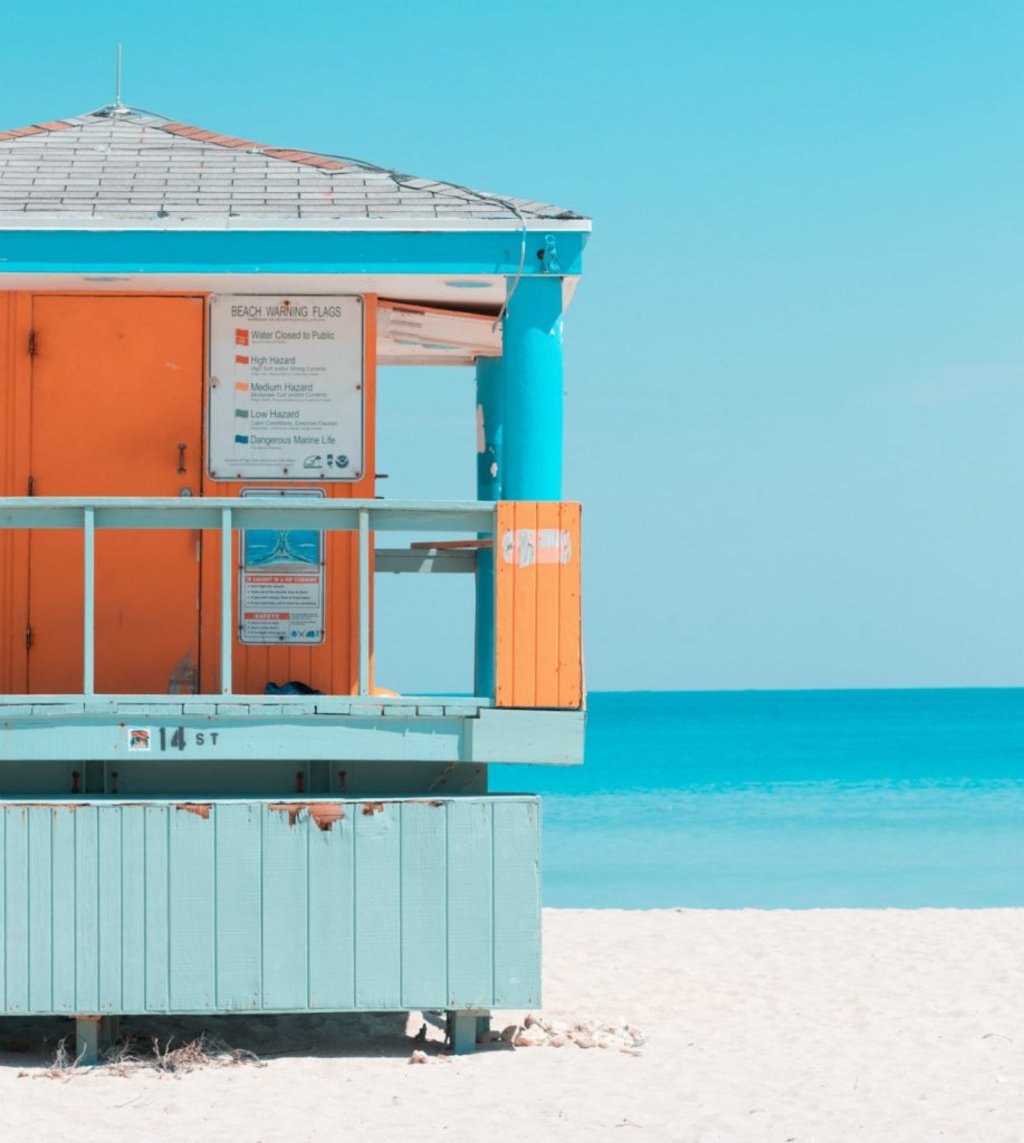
[[768, 1027]]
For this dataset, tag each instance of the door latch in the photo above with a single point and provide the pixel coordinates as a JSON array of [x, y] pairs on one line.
[[181, 459]]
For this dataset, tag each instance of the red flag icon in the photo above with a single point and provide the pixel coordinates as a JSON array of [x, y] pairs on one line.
[[241, 337]]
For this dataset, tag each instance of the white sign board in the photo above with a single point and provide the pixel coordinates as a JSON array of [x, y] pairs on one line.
[[286, 387], [281, 588]]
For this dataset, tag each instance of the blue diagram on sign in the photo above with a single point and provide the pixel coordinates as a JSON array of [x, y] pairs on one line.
[[265, 546]]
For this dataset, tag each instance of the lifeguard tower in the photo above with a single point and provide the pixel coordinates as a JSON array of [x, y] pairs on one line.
[[206, 803]]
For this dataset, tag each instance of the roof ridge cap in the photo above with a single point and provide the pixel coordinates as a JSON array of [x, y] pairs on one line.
[[232, 142], [35, 129]]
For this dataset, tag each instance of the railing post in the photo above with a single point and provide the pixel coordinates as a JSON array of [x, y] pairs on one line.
[[364, 601], [226, 583], [490, 398], [89, 603]]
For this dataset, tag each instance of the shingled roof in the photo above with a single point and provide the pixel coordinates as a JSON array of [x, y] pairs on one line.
[[120, 165]]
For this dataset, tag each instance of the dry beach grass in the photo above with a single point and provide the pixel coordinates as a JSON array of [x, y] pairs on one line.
[[757, 1027]]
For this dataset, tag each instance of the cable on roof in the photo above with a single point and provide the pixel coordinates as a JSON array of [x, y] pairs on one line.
[[401, 180], [461, 192]]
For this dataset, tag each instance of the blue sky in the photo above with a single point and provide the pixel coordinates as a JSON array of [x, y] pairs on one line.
[[795, 367]]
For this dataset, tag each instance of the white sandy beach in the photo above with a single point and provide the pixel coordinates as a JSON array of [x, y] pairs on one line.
[[768, 1027]]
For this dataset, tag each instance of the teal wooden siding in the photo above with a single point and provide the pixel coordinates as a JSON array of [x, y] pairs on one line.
[[242, 905]]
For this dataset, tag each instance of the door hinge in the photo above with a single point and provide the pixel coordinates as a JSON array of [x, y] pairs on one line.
[[31, 343], [31, 486], [28, 636]]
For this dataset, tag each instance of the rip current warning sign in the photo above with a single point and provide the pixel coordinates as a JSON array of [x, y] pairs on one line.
[[286, 387], [281, 588]]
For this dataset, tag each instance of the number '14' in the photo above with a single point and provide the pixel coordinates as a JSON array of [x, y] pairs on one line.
[[177, 738]]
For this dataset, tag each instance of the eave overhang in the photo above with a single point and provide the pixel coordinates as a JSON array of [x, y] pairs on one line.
[[466, 268], [292, 251]]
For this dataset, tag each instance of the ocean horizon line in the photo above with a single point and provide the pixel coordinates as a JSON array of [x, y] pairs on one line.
[[923, 689]]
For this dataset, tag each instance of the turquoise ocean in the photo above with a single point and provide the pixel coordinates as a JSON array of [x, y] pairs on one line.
[[788, 799]]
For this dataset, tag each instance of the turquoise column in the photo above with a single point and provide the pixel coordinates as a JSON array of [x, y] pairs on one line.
[[490, 372], [532, 347]]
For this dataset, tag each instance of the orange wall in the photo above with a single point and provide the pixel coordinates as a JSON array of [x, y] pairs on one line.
[[537, 605], [331, 667]]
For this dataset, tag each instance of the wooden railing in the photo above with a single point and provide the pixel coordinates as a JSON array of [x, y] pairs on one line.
[[534, 609]]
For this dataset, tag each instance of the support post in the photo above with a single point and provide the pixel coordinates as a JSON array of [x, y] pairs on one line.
[[462, 1027], [489, 464], [93, 1036], [532, 348]]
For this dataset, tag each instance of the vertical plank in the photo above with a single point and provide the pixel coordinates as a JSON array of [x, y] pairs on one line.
[[424, 900], [504, 602], [285, 907], [524, 667], [363, 573], [3, 915], [15, 396], [87, 966], [377, 905], [570, 633], [332, 915], [16, 861], [517, 919], [63, 829], [191, 909], [158, 986], [470, 905], [40, 931], [133, 917], [109, 894], [209, 602], [238, 915], [547, 575]]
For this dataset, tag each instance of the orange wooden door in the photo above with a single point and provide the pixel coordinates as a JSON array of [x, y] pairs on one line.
[[116, 393]]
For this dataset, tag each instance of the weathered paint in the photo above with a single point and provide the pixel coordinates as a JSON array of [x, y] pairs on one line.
[[200, 809], [114, 907], [538, 620], [322, 814]]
